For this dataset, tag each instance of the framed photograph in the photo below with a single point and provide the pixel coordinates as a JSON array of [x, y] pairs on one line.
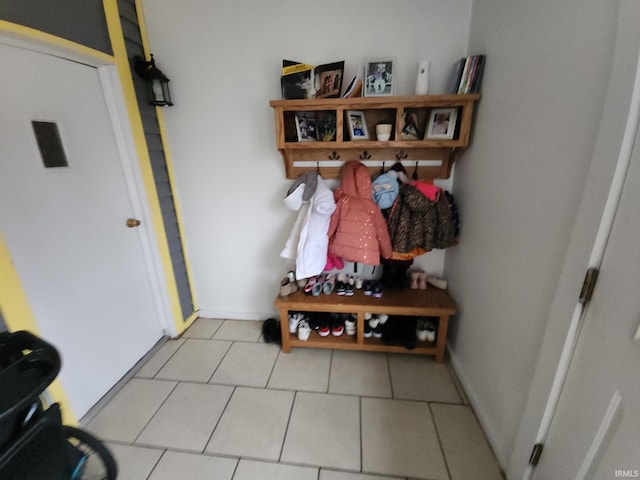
[[306, 126], [357, 125], [410, 126], [442, 124], [378, 77], [328, 80]]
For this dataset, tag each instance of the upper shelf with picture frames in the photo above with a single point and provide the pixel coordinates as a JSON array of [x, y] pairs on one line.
[[427, 132]]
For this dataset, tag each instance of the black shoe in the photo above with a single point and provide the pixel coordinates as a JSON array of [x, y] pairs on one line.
[[271, 331], [367, 330]]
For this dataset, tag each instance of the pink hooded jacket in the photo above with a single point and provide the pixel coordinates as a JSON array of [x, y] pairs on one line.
[[358, 232]]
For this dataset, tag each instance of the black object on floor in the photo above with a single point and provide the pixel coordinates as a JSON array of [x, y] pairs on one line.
[[271, 331]]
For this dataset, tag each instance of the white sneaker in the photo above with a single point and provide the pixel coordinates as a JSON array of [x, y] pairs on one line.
[[294, 320], [425, 330], [350, 324], [304, 331], [431, 332]]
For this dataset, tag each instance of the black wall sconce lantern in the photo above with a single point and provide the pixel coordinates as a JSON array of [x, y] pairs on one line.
[[157, 82]]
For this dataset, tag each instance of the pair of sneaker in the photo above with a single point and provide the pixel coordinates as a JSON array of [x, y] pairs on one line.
[[350, 323], [299, 323], [345, 285], [425, 330], [372, 288], [294, 321], [320, 284], [374, 324], [333, 324]]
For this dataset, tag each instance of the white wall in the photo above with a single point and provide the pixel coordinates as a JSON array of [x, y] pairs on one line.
[[519, 188], [224, 59]]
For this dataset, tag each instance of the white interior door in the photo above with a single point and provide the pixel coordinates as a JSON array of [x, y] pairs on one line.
[[595, 431], [82, 268]]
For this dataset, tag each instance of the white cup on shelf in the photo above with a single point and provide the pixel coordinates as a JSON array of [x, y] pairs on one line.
[[383, 132]]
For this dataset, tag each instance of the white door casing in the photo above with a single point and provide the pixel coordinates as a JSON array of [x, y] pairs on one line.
[[86, 274]]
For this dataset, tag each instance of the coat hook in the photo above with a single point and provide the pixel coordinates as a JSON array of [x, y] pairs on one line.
[[365, 155], [334, 156], [382, 168], [401, 155], [415, 172], [318, 166]]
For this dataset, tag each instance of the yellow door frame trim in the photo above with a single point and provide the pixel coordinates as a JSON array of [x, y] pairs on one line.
[[17, 314]]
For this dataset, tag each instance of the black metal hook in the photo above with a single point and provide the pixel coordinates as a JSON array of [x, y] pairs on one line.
[[365, 155], [334, 156], [382, 168], [415, 172]]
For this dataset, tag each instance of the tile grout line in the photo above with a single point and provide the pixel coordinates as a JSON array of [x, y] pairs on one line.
[[226, 405], [361, 435], [155, 465], [155, 413], [286, 429], [435, 428]]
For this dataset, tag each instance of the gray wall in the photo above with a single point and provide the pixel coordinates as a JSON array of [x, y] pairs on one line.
[[79, 21], [519, 188], [133, 45]]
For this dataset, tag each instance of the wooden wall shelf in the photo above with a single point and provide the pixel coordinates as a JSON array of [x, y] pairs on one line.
[[434, 157]]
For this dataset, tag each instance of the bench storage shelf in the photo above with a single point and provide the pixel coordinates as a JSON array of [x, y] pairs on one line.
[[420, 303]]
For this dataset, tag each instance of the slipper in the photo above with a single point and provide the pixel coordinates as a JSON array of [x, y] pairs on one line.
[[287, 287]]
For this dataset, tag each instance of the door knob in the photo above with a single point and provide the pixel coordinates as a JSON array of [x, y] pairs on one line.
[[133, 222]]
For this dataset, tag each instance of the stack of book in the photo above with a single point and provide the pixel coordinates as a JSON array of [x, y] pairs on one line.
[[466, 76]]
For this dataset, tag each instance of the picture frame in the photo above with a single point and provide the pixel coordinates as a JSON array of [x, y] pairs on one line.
[[357, 125], [378, 77], [306, 126], [442, 124], [410, 126], [328, 80]]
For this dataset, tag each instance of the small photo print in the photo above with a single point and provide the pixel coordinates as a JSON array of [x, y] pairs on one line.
[[306, 126], [442, 124], [357, 125], [326, 125]]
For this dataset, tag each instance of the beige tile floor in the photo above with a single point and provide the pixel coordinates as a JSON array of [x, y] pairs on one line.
[[221, 404]]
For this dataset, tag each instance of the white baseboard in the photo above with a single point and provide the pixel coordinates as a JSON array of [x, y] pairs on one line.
[[209, 313]]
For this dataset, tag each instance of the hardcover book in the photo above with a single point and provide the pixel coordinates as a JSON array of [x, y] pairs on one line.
[[466, 76], [302, 81]]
